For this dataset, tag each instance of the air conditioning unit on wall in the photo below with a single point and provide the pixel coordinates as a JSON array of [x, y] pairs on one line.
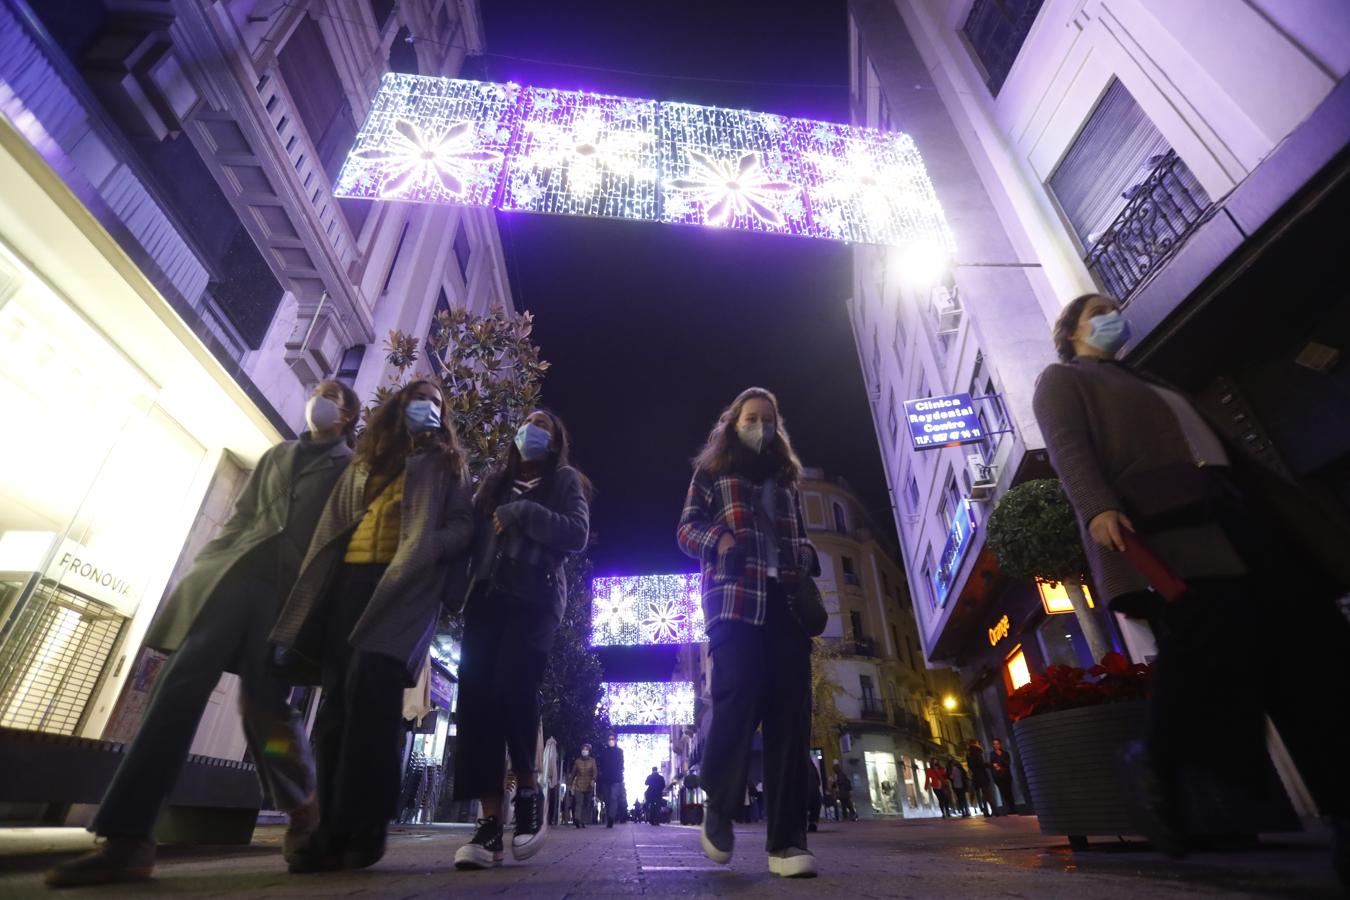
[[983, 477], [946, 309]]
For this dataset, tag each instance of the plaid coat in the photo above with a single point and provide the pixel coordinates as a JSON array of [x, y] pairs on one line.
[[734, 581]]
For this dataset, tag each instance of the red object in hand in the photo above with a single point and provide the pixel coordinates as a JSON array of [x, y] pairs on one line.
[[1158, 573]]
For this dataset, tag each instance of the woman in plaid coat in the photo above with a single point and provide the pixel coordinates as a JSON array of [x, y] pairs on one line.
[[742, 520]]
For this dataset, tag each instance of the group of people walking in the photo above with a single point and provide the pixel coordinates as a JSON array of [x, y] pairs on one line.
[[334, 570], [959, 787], [596, 779]]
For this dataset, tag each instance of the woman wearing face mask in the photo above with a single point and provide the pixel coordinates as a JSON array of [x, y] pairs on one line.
[[742, 520], [582, 785], [532, 512], [216, 620], [1143, 468], [365, 606]]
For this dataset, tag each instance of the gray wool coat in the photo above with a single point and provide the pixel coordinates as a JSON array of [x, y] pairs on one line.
[[1109, 435], [260, 515], [400, 620]]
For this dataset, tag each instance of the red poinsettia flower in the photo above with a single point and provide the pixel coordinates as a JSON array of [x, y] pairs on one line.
[[1061, 687]]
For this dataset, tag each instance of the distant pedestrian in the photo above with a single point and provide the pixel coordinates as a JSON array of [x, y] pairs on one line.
[[980, 785], [843, 788], [581, 784], [217, 619], [1178, 495], [742, 520], [1000, 766], [937, 782], [656, 789], [960, 782], [532, 512], [366, 603], [609, 780]]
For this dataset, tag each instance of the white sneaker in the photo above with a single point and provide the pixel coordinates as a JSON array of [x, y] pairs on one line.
[[484, 850], [531, 824], [792, 863], [717, 837]]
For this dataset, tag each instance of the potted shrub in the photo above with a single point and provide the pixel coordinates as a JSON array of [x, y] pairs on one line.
[[1071, 725], [1034, 533]]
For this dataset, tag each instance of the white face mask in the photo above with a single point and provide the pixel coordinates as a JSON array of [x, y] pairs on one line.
[[757, 435], [613, 743], [322, 414], [585, 753]]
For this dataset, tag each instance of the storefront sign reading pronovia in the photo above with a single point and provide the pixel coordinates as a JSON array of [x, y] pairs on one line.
[[943, 421], [84, 573]]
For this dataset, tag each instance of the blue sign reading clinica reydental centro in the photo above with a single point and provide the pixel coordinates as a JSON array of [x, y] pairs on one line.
[[942, 421]]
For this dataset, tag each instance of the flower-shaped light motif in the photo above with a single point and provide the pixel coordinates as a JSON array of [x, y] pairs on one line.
[[609, 614], [585, 148], [876, 186], [730, 188], [664, 621], [650, 710], [415, 162]]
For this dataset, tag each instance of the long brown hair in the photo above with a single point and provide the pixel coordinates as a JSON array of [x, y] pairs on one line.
[[560, 456], [725, 453], [386, 441]]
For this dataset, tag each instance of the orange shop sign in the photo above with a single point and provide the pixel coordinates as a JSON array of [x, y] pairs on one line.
[[1000, 630]]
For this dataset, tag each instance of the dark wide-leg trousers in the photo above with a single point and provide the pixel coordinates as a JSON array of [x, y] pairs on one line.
[[358, 732], [761, 675], [502, 661], [230, 632]]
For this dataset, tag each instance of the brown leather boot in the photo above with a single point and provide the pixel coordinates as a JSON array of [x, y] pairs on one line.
[[114, 860]]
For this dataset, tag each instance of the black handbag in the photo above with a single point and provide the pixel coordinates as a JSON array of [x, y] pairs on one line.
[[806, 605]]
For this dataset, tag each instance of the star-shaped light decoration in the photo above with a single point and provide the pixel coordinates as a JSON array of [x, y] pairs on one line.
[[646, 609], [417, 166], [663, 621], [729, 188]]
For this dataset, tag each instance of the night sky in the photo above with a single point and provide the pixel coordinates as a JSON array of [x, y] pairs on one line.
[[653, 329]]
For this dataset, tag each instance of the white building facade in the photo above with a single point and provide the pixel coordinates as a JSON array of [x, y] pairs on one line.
[[173, 260], [1176, 156]]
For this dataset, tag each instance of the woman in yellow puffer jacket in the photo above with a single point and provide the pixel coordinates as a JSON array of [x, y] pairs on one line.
[[365, 606]]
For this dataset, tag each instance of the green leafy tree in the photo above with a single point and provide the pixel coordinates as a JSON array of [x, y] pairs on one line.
[[570, 695], [827, 722], [488, 368], [491, 373], [1034, 534]]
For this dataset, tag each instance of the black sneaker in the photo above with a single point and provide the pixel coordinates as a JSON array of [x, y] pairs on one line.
[[531, 823], [484, 849], [113, 860]]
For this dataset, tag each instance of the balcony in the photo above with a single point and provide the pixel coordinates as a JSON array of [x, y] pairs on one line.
[[909, 722], [873, 711], [859, 647], [1161, 213]]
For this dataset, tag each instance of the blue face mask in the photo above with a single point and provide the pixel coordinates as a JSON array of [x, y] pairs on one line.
[[1109, 331], [422, 415], [532, 442]]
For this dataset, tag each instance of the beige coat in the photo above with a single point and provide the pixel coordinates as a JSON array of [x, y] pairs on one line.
[[1108, 432], [400, 620], [583, 774], [260, 515]]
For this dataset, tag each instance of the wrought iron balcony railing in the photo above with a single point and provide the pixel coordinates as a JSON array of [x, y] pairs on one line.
[[873, 711], [1165, 208]]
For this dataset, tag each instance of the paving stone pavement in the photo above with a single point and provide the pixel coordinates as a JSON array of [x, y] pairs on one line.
[[1006, 857]]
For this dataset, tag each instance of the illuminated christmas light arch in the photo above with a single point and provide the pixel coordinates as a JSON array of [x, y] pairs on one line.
[[443, 140], [640, 753], [648, 702], [646, 609]]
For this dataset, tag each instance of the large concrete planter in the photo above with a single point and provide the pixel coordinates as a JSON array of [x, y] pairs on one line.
[[1071, 762], [1077, 782]]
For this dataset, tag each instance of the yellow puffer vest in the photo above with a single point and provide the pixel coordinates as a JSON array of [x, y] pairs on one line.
[[376, 538]]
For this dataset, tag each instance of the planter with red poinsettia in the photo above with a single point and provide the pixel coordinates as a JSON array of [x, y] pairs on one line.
[[1071, 726]]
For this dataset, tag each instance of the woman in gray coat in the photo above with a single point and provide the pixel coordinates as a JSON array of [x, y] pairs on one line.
[[1144, 468], [216, 619], [366, 606]]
